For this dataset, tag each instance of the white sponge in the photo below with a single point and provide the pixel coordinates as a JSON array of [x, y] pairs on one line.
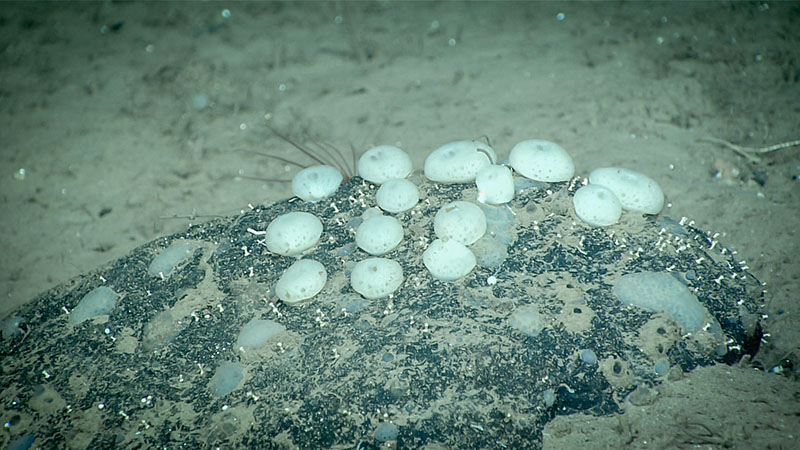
[[458, 162], [542, 161], [293, 233], [383, 163], [301, 281], [314, 183], [635, 191], [379, 235], [376, 277], [397, 195], [495, 185], [597, 205], [448, 260], [464, 222]]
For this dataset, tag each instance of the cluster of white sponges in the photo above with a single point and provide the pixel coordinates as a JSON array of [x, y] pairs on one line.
[[613, 189], [387, 166], [476, 161], [457, 225], [293, 233], [635, 191]]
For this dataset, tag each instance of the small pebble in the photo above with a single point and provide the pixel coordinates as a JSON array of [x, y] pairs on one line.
[[386, 432], [549, 397], [588, 356]]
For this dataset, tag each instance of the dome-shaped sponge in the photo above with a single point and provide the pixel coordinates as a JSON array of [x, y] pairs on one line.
[[542, 161], [458, 162], [383, 163], [293, 233], [635, 190], [314, 183], [464, 222]]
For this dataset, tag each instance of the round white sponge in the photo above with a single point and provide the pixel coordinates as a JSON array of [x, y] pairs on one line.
[[383, 163], [458, 162], [597, 205], [301, 281], [293, 233], [397, 195], [379, 235], [495, 185], [314, 183], [376, 277], [542, 161], [635, 191], [464, 222], [448, 260]]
